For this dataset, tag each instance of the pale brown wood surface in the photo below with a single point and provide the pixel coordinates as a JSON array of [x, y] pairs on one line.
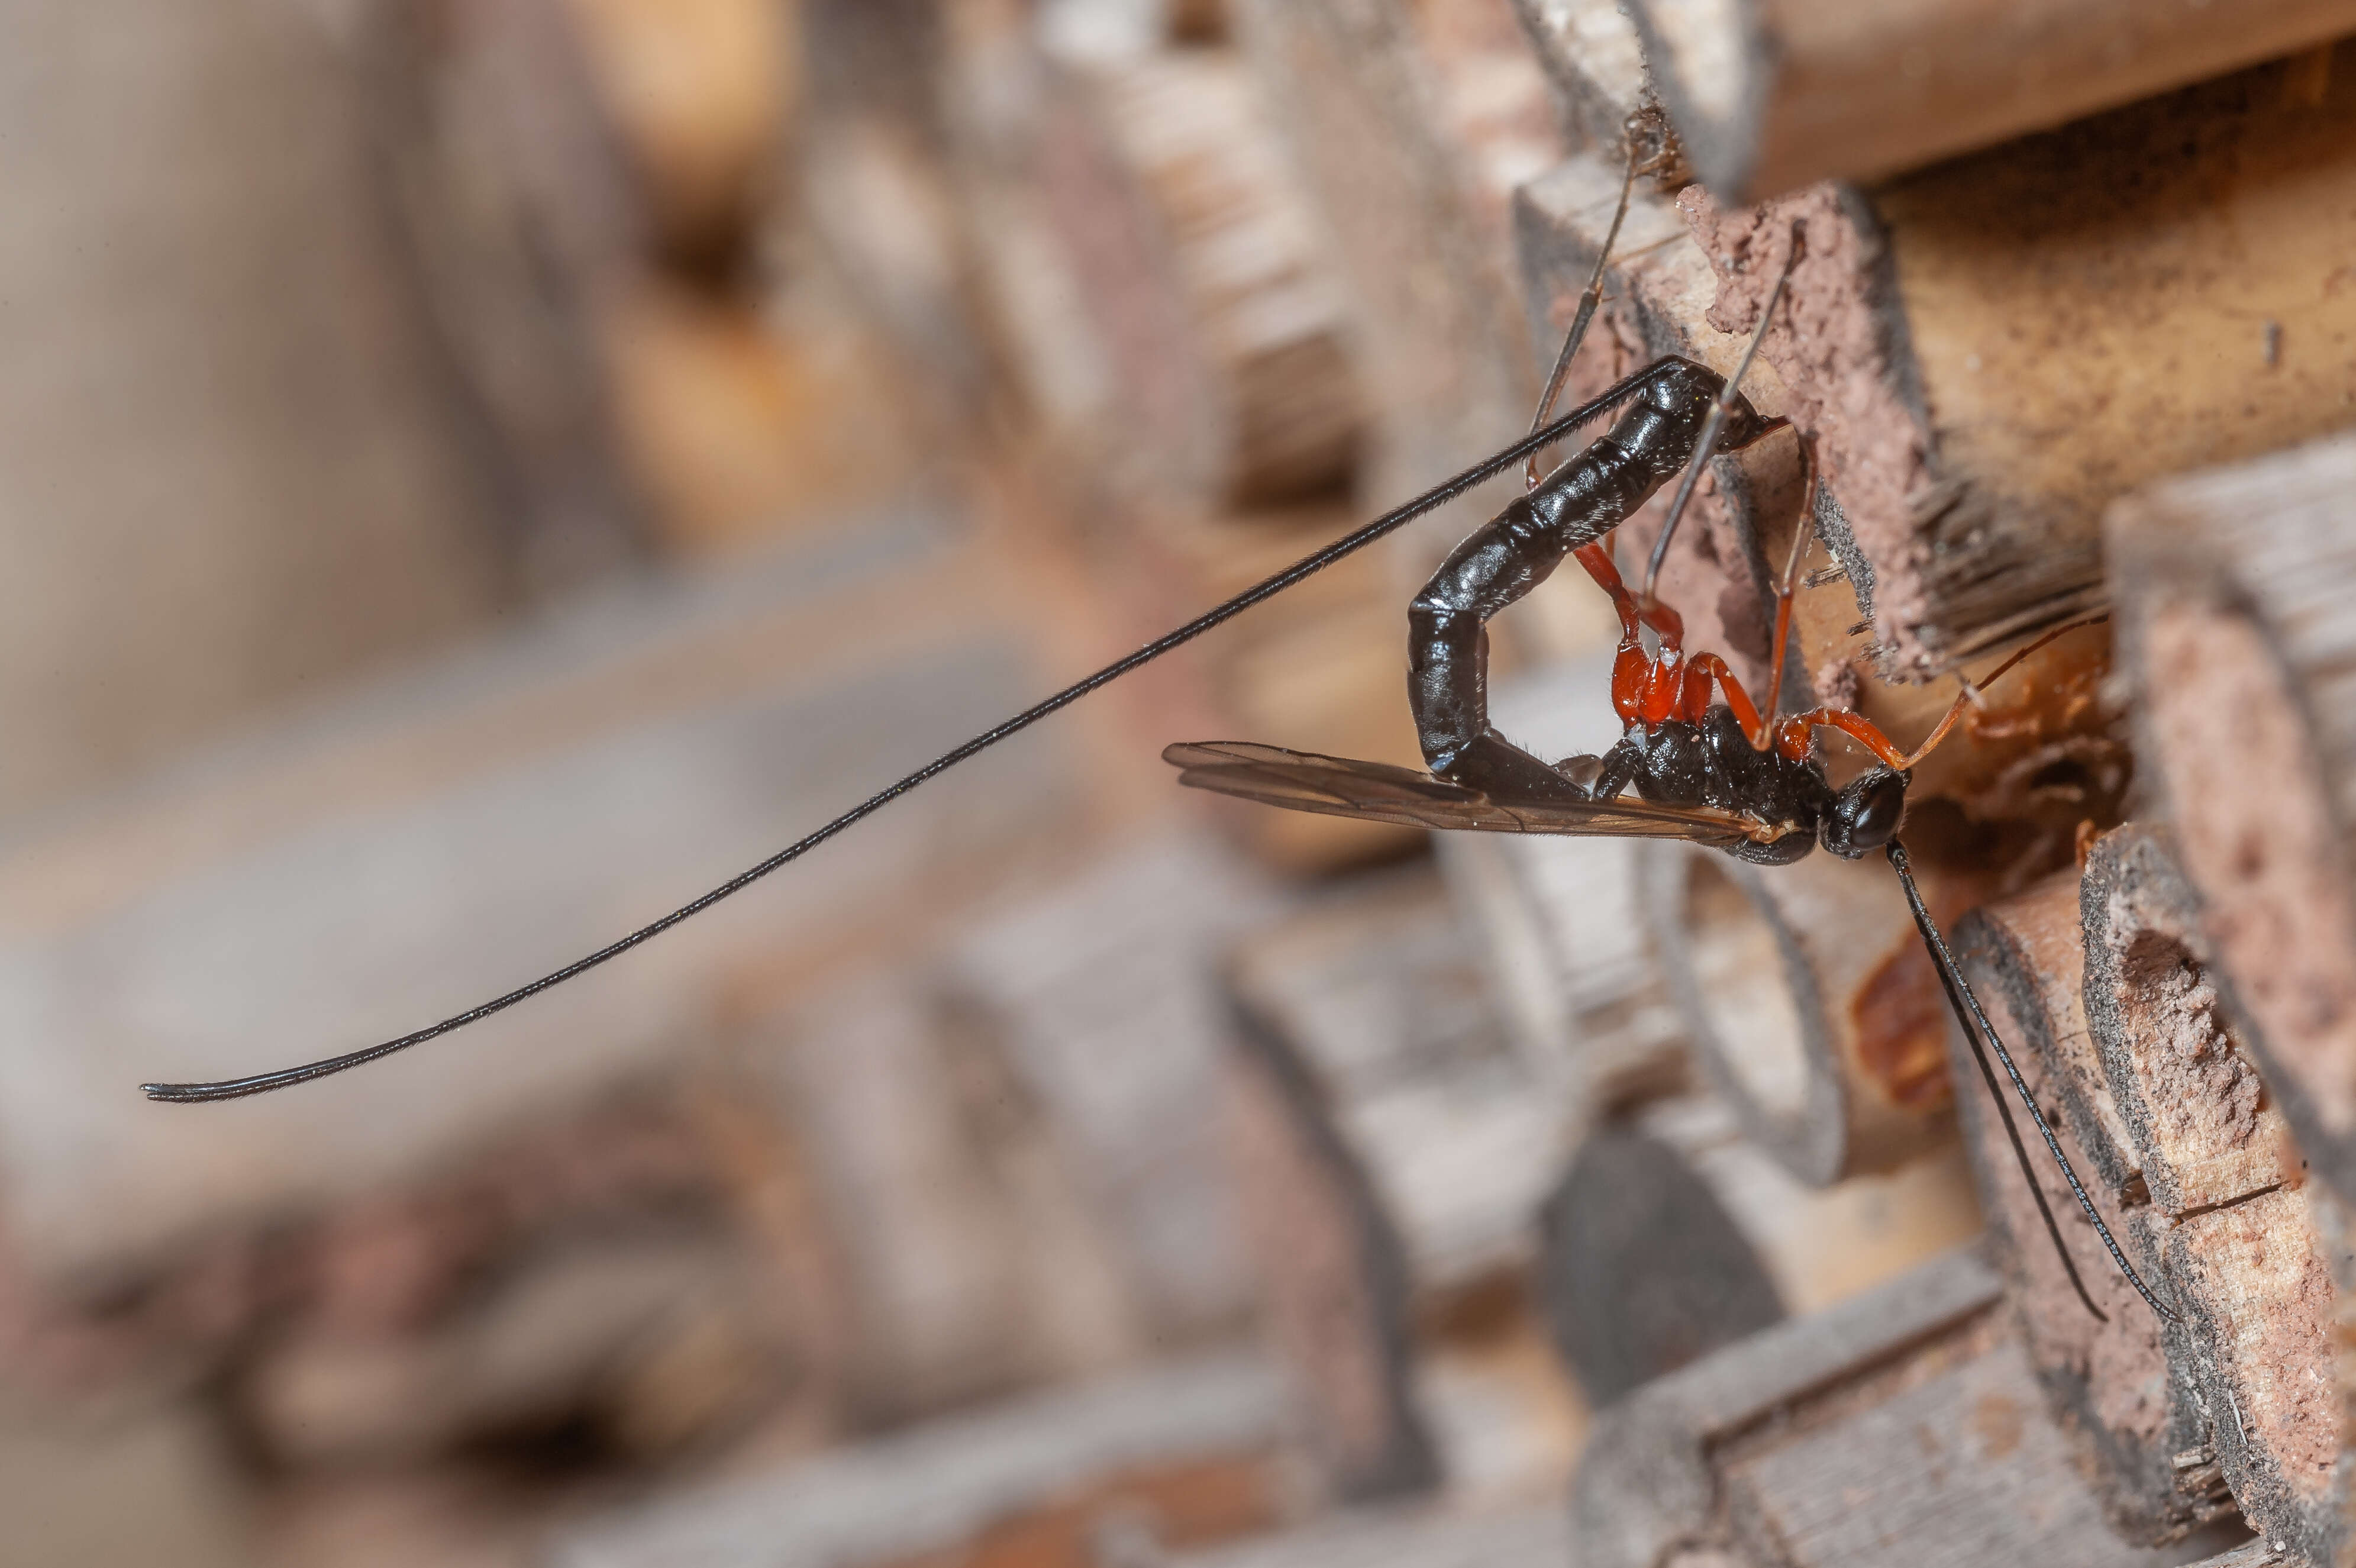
[[2135, 1425], [1770, 95], [1904, 1426], [1412, 125], [939, 1486], [2233, 1244]]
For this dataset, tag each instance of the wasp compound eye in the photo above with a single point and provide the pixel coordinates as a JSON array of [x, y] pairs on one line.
[[1866, 815]]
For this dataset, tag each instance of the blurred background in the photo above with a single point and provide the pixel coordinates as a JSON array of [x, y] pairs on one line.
[[475, 474]]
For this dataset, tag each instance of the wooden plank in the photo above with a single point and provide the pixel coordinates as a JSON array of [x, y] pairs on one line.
[[1199, 258], [2243, 1259], [2187, 1094], [1770, 95], [226, 472], [1412, 125]]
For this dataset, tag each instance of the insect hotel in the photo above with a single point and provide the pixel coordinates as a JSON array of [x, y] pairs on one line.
[[1760, 968]]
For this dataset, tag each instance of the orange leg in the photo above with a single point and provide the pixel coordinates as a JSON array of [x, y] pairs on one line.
[[1865, 733], [1643, 688]]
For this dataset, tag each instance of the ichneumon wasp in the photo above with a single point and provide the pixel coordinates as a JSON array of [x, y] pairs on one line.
[[1705, 764]]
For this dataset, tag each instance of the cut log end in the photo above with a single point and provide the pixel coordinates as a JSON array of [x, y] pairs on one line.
[[2138, 1430], [2231, 588], [1824, 1032]]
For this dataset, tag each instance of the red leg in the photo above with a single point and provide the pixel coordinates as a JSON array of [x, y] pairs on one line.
[[1863, 731], [1709, 667]]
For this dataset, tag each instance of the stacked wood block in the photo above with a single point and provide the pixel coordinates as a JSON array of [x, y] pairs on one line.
[[1392, 1152], [1903, 1426], [634, 299], [1964, 474]]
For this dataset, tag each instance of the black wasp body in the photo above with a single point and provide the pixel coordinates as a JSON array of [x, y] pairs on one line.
[[1713, 763], [1577, 505]]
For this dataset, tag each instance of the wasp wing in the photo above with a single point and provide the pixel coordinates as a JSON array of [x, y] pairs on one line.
[[1380, 792]]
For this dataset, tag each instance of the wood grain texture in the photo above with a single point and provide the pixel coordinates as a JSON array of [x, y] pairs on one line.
[[2136, 1427], [1593, 57], [1770, 95], [2238, 1250], [1905, 1425], [1200, 264], [2232, 591], [2183, 252]]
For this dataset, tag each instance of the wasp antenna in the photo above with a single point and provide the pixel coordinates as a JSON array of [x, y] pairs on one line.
[[1588, 301], [2020, 1149], [1268, 587], [1970, 1017]]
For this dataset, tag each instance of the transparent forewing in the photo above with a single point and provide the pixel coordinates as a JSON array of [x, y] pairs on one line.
[[1377, 791]]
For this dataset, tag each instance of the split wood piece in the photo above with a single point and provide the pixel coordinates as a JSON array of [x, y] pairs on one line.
[[2201, 228], [302, 506], [1412, 125], [1770, 95], [522, 230], [2242, 1260], [1905, 1425], [1810, 1002], [2203, 1128], [949, 1485], [1382, 1002], [2231, 587], [1203, 272], [2139, 1429], [1659, 294]]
